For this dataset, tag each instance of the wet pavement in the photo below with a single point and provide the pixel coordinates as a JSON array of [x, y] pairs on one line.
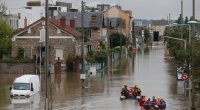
[[149, 68]]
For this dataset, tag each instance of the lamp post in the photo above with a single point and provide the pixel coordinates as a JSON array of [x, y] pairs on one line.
[[185, 46], [193, 59]]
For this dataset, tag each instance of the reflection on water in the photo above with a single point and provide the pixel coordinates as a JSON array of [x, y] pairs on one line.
[[30, 103], [149, 68]]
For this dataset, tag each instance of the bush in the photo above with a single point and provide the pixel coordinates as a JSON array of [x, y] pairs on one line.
[[100, 56], [90, 59], [17, 60]]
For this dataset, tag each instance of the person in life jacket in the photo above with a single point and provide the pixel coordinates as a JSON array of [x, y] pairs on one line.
[[147, 105], [142, 101], [154, 101], [158, 101], [162, 105], [136, 90], [124, 91]]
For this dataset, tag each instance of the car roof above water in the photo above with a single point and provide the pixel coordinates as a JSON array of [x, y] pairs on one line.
[[24, 78]]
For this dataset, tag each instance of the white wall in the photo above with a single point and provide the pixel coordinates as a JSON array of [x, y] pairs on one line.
[[31, 15]]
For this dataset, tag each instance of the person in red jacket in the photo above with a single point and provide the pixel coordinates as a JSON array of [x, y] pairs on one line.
[[142, 101]]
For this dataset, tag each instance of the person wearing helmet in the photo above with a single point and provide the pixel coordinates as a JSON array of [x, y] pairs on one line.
[[142, 101], [158, 101], [147, 105], [162, 105], [124, 91], [154, 102], [136, 90]]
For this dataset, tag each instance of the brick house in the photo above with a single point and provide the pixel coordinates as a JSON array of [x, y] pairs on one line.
[[92, 26], [63, 40]]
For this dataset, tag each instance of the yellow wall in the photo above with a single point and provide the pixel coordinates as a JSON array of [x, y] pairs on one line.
[[118, 13]]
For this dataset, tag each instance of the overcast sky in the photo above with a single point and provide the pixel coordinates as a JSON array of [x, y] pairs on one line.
[[143, 9]]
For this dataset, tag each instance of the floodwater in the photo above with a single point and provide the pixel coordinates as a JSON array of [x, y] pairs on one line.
[[149, 68]]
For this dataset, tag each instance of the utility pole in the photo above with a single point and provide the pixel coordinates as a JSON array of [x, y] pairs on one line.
[[46, 53], [193, 9], [83, 76], [182, 18], [193, 59], [181, 11]]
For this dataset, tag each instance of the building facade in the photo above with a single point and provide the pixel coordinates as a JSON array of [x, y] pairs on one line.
[[63, 41], [92, 23]]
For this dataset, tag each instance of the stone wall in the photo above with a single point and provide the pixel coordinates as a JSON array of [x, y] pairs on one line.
[[21, 68]]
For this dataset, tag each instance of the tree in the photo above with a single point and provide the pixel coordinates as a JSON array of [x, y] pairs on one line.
[[179, 20], [5, 38], [3, 9], [186, 20], [117, 39], [146, 36], [177, 47], [5, 33]]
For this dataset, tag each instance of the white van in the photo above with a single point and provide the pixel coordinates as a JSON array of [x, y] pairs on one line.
[[29, 103], [26, 85]]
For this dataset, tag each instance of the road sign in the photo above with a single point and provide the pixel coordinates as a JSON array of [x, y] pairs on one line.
[[185, 77], [82, 76]]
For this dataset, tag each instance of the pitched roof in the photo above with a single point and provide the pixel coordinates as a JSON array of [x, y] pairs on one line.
[[87, 18], [55, 23], [67, 29]]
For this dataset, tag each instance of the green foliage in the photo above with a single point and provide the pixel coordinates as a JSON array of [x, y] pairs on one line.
[[90, 59], [20, 53], [3, 9], [5, 38], [179, 21], [17, 60], [102, 45], [186, 20], [177, 47], [146, 36], [100, 56], [117, 39]]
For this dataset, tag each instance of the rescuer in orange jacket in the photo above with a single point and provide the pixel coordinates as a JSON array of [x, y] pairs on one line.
[[142, 101]]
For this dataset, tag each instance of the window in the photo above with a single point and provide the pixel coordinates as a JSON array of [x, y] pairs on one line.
[[21, 86], [10, 22], [29, 30], [17, 24], [42, 35], [94, 19], [58, 31], [59, 54]]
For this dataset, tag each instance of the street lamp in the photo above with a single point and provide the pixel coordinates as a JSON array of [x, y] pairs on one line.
[[193, 59]]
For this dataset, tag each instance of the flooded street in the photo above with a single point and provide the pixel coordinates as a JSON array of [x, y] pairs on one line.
[[149, 68]]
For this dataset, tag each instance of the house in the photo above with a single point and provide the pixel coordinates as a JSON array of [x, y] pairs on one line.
[[157, 28], [63, 40], [13, 20], [35, 9], [92, 23], [125, 16]]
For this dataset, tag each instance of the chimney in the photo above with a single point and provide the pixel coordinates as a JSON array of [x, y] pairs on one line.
[[25, 22], [72, 23], [63, 22]]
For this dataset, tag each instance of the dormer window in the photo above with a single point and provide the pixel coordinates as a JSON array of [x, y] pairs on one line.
[[29, 30], [58, 31]]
